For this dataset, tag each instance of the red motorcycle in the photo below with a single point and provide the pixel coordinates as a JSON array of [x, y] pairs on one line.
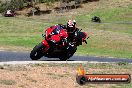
[[57, 45]]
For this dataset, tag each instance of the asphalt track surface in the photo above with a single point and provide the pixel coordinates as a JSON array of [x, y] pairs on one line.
[[6, 56]]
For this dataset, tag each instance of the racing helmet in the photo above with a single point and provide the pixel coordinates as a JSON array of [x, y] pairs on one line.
[[71, 26]]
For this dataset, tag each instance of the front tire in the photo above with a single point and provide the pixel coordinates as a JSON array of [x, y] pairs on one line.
[[36, 52]]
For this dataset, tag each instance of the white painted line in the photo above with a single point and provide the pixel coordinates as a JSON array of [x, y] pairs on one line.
[[49, 62], [2, 50]]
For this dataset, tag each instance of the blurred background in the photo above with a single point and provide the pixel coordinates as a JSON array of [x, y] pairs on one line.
[[112, 37]]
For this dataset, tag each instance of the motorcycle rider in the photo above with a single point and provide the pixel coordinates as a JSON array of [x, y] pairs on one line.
[[71, 29], [74, 34]]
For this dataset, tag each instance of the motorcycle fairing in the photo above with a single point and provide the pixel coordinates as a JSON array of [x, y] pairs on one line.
[[45, 43]]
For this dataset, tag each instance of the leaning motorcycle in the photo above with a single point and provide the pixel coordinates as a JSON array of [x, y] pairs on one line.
[[57, 45]]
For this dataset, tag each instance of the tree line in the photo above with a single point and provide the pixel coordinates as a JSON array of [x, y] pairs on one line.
[[20, 4]]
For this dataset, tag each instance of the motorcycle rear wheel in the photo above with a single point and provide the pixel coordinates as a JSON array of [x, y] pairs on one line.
[[36, 52], [67, 54]]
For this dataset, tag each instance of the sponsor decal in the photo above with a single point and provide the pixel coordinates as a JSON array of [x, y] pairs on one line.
[[83, 78]]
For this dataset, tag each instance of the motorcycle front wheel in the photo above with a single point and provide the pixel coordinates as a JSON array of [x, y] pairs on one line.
[[36, 52]]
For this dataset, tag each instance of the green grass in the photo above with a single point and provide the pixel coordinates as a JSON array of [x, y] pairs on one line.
[[109, 14], [13, 67], [19, 32], [113, 19], [108, 44], [111, 38], [103, 52], [7, 82]]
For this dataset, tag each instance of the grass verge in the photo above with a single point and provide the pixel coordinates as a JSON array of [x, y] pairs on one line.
[[58, 75]]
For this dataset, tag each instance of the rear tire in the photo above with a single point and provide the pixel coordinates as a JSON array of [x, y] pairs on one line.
[[36, 52], [63, 58], [68, 54]]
